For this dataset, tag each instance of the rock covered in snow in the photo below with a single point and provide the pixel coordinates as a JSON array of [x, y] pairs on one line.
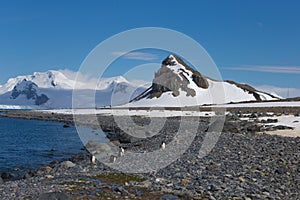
[[176, 85], [30, 91]]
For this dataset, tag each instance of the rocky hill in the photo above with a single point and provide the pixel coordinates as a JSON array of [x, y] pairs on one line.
[[177, 84]]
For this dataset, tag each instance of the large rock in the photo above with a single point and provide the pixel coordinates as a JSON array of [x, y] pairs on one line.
[[166, 80]]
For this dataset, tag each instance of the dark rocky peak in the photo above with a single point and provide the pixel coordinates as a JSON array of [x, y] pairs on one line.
[[170, 60], [175, 76], [196, 76]]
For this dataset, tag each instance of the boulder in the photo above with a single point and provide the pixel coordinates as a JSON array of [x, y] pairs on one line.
[[67, 164]]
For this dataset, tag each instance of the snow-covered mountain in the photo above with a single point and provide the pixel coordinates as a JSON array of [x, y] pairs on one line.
[[53, 89], [177, 85]]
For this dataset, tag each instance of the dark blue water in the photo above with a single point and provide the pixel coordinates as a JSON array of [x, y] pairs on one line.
[[30, 144]]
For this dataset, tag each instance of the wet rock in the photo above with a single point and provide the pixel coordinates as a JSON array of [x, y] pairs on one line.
[[6, 175], [67, 125]]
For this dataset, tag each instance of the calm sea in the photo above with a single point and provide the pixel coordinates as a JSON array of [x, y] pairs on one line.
[[29, 144]]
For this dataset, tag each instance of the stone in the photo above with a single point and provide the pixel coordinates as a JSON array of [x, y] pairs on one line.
[[240, 179], [212, 168], [159, 180], [46, 169], [67, 164], [185, 181], [48, 176]]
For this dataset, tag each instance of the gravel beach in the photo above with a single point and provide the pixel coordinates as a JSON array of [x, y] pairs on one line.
[[245, 163]]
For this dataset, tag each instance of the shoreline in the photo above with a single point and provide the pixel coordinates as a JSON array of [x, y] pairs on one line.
[[243, 164]]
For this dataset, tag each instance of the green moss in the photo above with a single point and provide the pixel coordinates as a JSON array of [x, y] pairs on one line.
[[118, 178], [77, 186]]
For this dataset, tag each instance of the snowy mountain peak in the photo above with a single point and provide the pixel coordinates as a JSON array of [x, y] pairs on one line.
[[63, 79], [30, 91], [170, 61], [175, 76], [54, 89], [176, 82]]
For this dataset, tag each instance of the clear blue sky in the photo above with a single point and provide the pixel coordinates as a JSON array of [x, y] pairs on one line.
[[256, 42]]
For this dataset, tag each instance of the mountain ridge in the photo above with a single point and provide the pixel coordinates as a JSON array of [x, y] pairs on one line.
[[54, 89], [174, 84]]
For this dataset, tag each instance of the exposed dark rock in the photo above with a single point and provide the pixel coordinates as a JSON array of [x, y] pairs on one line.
[[281, 127], [41, 99], [250, 90], [198, 78], [166, 80]]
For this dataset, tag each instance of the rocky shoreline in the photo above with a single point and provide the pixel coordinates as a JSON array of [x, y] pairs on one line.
[[245, 164]]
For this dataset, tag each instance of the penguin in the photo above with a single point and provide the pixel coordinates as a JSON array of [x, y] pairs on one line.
[[113, 159], [93, 159], [121, 152], [163, 145]]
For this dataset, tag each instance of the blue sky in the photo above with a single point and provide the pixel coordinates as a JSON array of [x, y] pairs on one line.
[[255, 42]]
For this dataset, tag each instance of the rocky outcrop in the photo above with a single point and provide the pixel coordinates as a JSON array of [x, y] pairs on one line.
[[166, 79], [197, 77], [250, 90]]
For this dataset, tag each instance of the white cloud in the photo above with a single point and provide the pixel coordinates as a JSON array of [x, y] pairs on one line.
[[272, 69], [137, 55], [281, 91]]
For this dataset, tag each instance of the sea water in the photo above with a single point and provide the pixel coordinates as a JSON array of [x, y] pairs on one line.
[[30, 144]]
